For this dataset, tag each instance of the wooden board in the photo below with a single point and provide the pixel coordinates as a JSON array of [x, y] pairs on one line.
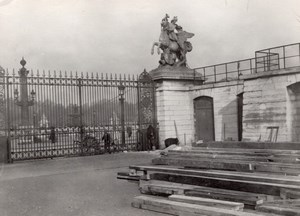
[[286, 211], [155, 187], [127, 176], [262, 157], [252, 145], [257, 178], [290, 194], [179, 208], [245, 166], [254, 187], [208, 202], [247, 200]]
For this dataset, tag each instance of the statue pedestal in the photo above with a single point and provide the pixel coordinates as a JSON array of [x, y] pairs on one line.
[[176, 73], [174, 102]]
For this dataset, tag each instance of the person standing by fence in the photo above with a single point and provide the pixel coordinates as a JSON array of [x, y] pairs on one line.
[[151, 138], [52, 135], [107, 140]]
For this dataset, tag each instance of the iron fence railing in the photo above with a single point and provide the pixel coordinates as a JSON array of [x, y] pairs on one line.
[[275, 58]]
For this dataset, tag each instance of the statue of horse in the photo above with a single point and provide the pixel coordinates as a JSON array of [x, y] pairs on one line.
[[172, 50]]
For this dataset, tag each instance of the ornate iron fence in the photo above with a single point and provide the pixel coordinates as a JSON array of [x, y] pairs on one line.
[[50, 114]]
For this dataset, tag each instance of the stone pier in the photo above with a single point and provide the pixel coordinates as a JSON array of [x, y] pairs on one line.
[[174, 104]]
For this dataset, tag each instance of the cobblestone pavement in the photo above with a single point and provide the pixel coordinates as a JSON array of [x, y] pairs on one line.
[[84, 186]]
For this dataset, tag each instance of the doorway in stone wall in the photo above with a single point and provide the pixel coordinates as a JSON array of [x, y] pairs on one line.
[[240, 98], [204, 118], [293, 112]]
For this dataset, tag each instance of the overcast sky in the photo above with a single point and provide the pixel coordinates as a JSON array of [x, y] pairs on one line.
[[115, 36]]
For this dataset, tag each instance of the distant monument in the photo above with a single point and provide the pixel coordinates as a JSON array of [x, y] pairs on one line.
[[174, 44], [44, 123]]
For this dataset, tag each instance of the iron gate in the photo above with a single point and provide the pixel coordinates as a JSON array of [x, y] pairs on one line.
[[51, 114]]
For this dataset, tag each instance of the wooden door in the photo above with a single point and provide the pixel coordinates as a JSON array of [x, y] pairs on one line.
[[204, 119]]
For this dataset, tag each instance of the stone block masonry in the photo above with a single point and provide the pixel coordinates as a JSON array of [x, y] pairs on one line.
[[270, 102]]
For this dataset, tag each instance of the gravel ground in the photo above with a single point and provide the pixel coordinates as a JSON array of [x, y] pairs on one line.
[[84, 186]]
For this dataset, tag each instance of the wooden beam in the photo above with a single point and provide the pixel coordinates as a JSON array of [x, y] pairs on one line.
[[127, 176], [252, 145], [179, 208], [262, 157], [187, 187], [238, 206], [286, 211], [245, 166], [246, 186], [289, 194], [247, 200], [255, 177]]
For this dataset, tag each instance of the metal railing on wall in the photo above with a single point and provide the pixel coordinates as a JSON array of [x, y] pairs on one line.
[[281, 57]]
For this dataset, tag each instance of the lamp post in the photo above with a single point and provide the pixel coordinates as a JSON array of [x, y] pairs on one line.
[[24, 101], [121, 99]]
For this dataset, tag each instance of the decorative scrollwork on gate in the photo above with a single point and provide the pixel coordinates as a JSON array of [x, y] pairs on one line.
[[147, 100], [2, 102]]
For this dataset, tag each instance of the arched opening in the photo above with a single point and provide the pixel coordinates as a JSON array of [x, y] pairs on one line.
[[293, 112], [204, 118]]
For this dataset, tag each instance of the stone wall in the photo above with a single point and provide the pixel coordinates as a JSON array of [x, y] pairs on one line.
[[270, 99], [269, 102]]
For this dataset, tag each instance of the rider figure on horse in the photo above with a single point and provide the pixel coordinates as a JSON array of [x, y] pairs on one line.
[[173, 42]]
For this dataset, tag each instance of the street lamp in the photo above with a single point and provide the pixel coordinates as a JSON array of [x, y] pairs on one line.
[[121, 99], [24, 102]]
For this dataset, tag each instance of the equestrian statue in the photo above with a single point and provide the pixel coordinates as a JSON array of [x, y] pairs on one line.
[[173, 42]]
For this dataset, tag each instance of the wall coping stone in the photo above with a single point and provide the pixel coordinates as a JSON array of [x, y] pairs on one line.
[[279, 72], [219, 84]]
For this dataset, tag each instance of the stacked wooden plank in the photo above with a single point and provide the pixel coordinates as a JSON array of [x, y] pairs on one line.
[[222, 178]]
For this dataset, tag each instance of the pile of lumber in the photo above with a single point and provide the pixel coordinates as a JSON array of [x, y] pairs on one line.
[[221, 178]]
